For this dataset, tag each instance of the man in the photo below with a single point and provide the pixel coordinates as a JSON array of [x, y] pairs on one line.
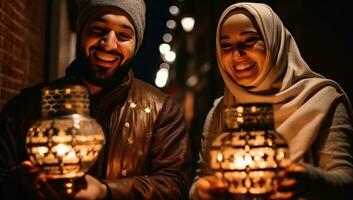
[[146, 155]]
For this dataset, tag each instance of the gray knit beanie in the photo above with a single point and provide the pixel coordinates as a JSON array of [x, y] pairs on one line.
[[135, 8]]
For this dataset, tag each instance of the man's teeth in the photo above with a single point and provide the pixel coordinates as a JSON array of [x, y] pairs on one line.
[[242, 67], [106, 57]]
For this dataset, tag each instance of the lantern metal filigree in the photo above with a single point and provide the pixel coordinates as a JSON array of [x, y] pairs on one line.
[[66, 141], [249, 153]]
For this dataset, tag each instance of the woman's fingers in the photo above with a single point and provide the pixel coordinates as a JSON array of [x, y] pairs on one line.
[[291, 182]]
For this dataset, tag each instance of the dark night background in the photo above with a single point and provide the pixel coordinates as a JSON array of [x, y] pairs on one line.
[[323, 31], [148, 60]]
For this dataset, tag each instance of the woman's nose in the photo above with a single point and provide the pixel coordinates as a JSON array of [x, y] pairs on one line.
[[109, 41], [237, 53]]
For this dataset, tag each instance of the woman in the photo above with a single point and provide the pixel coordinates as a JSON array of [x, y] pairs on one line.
[[260, 62]]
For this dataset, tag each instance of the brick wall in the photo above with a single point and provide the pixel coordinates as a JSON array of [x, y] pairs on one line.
[[22, 45]]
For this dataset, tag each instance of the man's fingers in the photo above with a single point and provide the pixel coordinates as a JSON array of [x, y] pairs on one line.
[[27, 163], [215, 182], [26, 167], [281, 196], [47, 190], [205, 196]]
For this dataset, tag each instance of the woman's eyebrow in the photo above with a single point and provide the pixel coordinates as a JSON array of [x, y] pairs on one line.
[[242, 33]]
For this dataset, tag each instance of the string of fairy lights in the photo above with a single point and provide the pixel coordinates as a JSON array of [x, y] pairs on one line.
[[167, 53]]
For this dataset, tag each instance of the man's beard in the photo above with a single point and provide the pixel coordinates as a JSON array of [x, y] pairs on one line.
[[102, 77]]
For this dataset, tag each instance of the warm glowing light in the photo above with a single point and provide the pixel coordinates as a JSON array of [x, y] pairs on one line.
[[239, 163], [170, 56], [71, 155], [41, 150], [161, 77], [240, 109], [248, 159], [248, 153], [174, 10], [192, 81], [219, 157], [164, 48], [188, 23], [76, 116], [164, 65], [171, 24], [66, 141], [167, 37], [61, 149]]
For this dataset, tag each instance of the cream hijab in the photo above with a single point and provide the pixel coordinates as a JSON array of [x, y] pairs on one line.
[[301, 97]]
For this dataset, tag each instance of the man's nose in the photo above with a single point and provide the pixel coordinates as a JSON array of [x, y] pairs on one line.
[[109, 41]]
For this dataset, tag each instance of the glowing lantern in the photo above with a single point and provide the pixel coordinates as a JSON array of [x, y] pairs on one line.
[[249, 153], [66, 141]]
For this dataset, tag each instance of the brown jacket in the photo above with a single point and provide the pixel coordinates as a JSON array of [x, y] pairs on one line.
[[148, 154], [147, 149]]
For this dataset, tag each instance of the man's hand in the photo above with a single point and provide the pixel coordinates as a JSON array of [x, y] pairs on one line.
[[94, 189], [209, 188], [292, 183], [33, 183], [28, 178]]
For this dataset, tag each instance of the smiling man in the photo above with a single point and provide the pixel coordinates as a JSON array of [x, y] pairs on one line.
[[109, 41], [147, 151]]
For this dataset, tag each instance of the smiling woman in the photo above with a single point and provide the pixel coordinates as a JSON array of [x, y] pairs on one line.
[[243, 51], [260, 62]]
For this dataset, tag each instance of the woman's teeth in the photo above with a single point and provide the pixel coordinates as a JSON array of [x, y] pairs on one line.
[[243, 67]]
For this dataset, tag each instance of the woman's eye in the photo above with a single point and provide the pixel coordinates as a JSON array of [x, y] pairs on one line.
[[251, 41], [226, 46]]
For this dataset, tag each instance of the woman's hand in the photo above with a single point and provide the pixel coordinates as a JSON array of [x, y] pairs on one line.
[[209, 188], [292, 182]]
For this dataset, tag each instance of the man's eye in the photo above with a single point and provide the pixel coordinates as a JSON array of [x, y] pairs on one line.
[[124, 36], [97, 29]]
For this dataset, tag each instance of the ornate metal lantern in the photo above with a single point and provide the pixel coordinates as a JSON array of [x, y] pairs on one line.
[[66, 141], [249, 153]]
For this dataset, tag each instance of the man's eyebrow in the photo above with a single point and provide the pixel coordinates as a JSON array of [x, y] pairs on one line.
[[128, 27], [125, 26], [99, 19]]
